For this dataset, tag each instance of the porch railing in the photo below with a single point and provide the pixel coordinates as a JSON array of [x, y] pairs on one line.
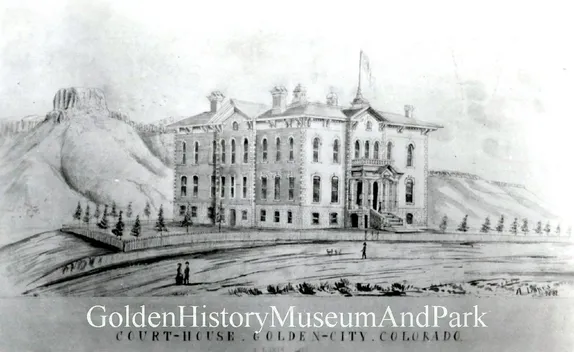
[[378, 162]]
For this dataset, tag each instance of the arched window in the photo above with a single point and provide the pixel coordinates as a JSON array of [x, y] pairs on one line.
[[409, 196], [410, 152], [183, 186], [235, 126], [389, 150], [183, 152], [334, 189], [213, 151], [195, 186], [357, 149], [233, 151], [316, 143], [316, 189], [367, 150], [409, 218], [245, 151], [336, 151], [376, 150], [264, 147], [196, 152], [369, 125], [263, 187], [291, 149], [278, 149], [223, 151], [277, 193]]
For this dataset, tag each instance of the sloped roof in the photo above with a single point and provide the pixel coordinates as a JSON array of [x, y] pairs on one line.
[[407, 121], [249, 108], [310, 108], [199, 119]]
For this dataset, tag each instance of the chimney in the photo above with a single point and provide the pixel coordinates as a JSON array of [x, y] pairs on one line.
[[332, 99], [299, 95], [215, 98], [409, 110], [279, 94]]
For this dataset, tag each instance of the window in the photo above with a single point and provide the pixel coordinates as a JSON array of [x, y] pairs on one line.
[[263, 187], [409, 218], [357, 149], [389, 150], [334, 189], [245, 151], [223, 151], [333, 219], [182, 210], [277, 216], [244, 188], [263, 215], [376, 150], [195, 186], [183, 152], [315, 219], [196, 152], [210, 213], [233, 151], [291, 149], [410, 151], [212, 186], [291, 188], [183, 186], [222, 214], [193, 212], [232, 192], [222, 179], [235, 126], [367, 150], [289, 217], [244, 215], [336, 151], [264, 151], [316, 189], [278, 149], [277, 192], [369, 126], [316, 143], [409, 191], [213, 151]]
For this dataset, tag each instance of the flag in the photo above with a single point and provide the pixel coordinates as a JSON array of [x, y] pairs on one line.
[[365, 67]]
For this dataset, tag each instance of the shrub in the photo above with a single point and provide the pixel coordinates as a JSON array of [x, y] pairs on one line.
[[306, 289]]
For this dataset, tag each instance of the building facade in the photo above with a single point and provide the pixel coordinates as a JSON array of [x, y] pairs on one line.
[[301, 164]]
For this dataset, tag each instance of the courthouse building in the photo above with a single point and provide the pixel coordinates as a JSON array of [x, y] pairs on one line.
[[301, 164]]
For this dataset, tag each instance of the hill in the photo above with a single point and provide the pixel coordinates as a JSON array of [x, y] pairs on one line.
[[77, 153], [456, 194]]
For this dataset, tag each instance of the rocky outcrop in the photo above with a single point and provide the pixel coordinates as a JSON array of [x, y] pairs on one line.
[[71, 101]]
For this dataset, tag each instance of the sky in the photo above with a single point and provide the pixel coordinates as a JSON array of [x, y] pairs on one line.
[[498, 77]]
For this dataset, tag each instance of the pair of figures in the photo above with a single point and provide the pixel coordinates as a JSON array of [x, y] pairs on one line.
[[182, 279]]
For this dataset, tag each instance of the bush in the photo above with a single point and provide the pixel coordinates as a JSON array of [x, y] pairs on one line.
[[238, 291], [306, 289], [364, 288]]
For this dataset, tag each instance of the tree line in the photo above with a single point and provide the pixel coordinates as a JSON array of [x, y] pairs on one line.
[[515, 227]]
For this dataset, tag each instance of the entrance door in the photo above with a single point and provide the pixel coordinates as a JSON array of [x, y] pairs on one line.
[[232, 217], [366, 221], [354, 220], [359, 192], [376, 196]]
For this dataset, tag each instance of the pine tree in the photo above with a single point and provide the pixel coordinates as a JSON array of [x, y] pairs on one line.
[[514, 226], [558, 230], [136, 229], [443, 224], [463, 227], [78, 213], [129, 211], [97, 212], [87, 215], [500, 226], [547, 229], [160, 224], [114, 213], [486, 226], [103, 224], [147, 210], [119, 229], [538, 229], [187, 220], [524, 227]]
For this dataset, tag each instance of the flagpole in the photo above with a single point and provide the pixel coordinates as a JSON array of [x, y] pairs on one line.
[[360, 62]]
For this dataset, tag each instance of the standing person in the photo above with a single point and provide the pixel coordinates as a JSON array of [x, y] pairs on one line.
[[186, 274], [178, 276], [364, 251]]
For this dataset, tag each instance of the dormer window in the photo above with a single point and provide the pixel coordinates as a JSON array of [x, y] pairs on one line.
[[369, 126], [235, 126]]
